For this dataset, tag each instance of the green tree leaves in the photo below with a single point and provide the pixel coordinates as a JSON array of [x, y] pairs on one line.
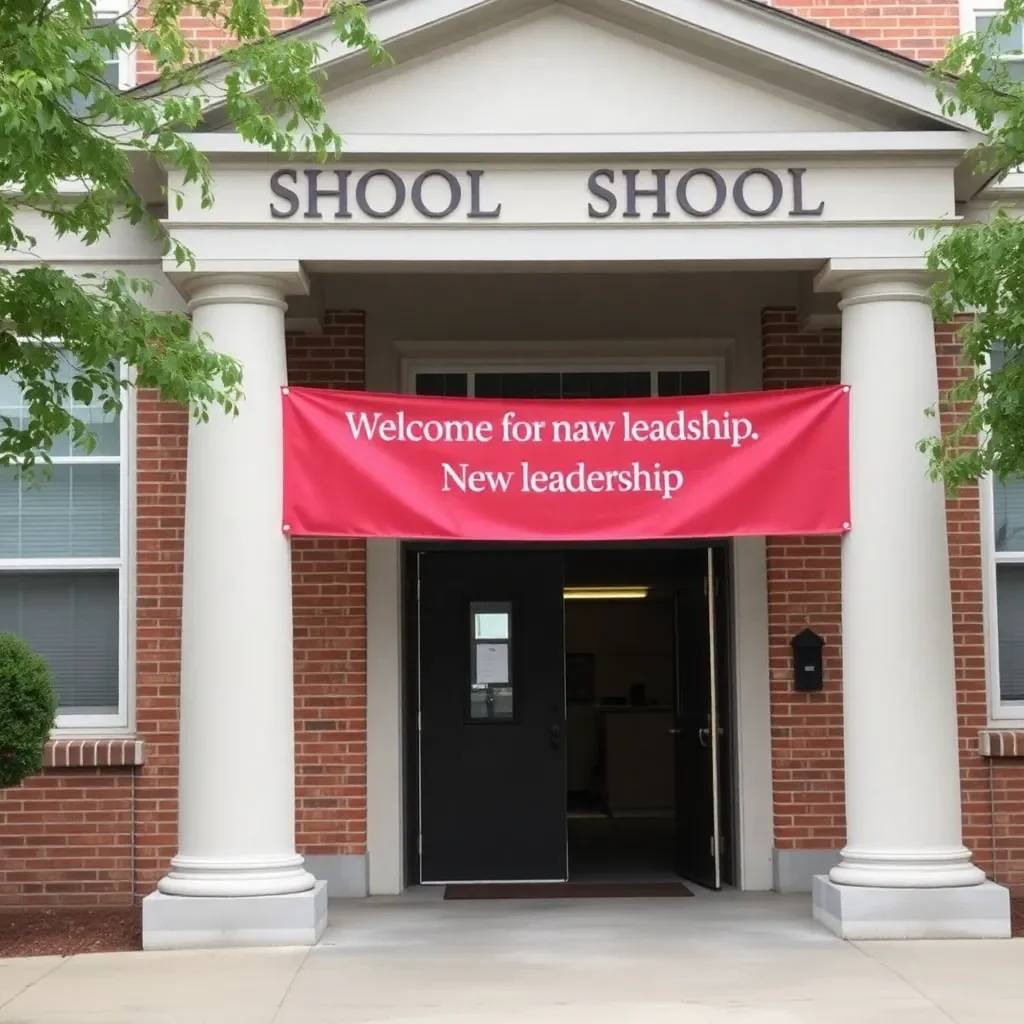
[[980, 265], [71, 145]]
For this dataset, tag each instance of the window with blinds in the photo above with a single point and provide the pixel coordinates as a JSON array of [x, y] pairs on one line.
[[1008, 535], [71, 619], [61, 563], [1007, 507], [1010, 626]]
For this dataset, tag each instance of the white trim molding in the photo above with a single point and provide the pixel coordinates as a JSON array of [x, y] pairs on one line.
[[908, 144]]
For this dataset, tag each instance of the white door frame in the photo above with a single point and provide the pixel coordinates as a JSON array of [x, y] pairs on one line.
[[752, 789]]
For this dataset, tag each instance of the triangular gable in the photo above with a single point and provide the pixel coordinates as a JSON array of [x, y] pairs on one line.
[[813, 67], [560, 71]]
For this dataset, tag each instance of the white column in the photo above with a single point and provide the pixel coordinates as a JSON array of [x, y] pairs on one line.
[[237, 770], [899, 696]]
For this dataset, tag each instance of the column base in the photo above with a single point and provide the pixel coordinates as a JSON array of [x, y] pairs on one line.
[[208, 922], [960, 912], [205, 876], [917, 869]]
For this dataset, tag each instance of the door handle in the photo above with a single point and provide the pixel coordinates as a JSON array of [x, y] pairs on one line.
[[704, 735], [675, 732]]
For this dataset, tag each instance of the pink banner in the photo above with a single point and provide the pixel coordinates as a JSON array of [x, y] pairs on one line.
[[364, 464]]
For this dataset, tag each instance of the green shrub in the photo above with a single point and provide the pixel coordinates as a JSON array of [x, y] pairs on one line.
[[28, 709]]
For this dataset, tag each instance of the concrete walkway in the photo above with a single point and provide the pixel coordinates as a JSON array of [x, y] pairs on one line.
[[715, 959]]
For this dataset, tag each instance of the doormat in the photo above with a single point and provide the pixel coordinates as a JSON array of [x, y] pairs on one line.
[[565, 890]]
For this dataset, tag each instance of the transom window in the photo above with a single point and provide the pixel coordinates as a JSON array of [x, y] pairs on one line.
[[487, 383], [62, 564]]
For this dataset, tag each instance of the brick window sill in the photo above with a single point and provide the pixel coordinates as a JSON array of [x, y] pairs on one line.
[[121, 752], [1001, 743]]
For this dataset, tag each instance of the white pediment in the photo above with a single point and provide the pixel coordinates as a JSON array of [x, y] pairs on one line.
[[559, 71]]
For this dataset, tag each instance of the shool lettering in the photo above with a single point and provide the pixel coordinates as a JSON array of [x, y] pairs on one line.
[[381, 193]]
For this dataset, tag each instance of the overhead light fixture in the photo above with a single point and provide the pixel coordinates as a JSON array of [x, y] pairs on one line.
[[604, 593]]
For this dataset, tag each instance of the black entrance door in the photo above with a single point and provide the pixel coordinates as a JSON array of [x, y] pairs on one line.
[[699, 724], [492, 716]]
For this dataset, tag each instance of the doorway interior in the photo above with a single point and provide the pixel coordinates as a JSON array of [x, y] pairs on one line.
[[569, 713]]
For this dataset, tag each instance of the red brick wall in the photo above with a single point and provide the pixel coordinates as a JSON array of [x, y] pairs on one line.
[[963, 524], [161, 447], [1007, 788], [66, 837], [209, 38], [919, 30], [804, 590], [329, 612]]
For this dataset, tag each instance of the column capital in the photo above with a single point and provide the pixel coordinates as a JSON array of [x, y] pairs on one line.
[[876, 280], [877, 288], [238, 280], [231, 289]]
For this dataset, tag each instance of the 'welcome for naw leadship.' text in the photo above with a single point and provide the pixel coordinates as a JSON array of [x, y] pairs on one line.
[[513, 429]]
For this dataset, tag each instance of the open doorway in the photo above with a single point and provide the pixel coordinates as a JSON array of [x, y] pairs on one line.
[[646, 646], [569, 711], [620, 715]]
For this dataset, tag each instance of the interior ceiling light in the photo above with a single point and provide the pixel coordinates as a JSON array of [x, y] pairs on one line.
[[604, 593]]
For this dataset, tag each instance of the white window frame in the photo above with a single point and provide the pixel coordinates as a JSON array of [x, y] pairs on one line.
[[1002, 711], [999, 711], [122, 722], [110, 9], [971, 10]]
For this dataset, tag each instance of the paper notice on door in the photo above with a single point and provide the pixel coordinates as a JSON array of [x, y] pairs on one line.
[[491, 663]]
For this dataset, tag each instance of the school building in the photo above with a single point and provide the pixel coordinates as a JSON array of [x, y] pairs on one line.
[[595, 198]]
